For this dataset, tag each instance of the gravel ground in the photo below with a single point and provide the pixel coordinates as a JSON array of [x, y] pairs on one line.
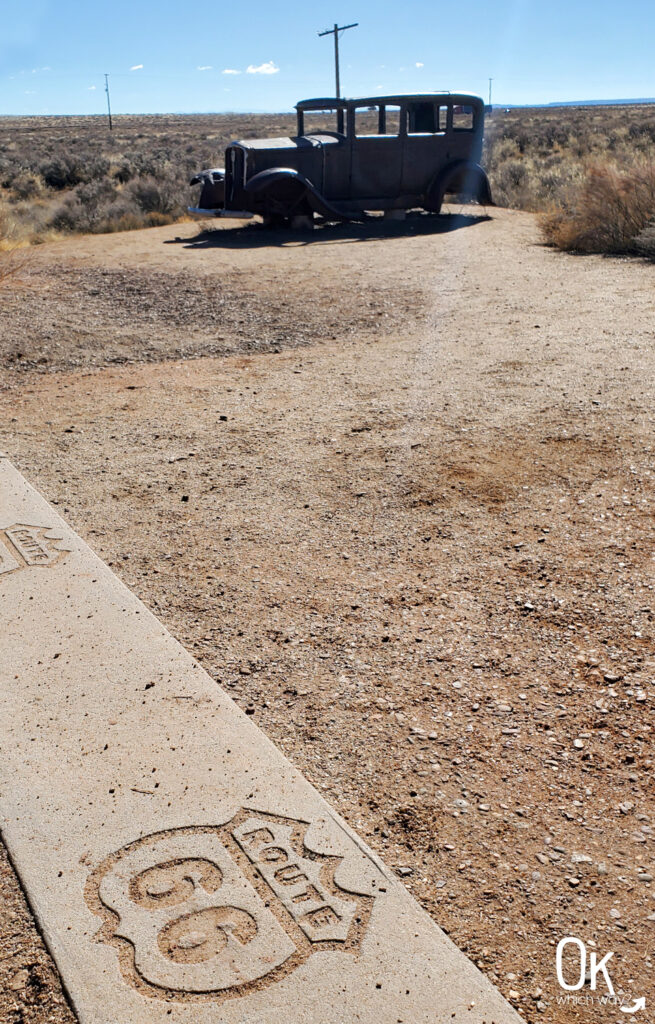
[[418, 550]]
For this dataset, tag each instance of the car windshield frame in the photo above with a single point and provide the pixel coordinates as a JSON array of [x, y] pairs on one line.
[[345, 112]]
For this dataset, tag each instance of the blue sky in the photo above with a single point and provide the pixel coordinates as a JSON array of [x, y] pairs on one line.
[[262, 55]]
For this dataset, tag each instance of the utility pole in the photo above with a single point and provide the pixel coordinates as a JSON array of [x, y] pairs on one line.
[[108, 102], [490, 81], [335, 32]]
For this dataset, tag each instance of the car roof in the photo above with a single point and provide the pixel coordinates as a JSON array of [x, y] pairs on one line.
[[332, 103]]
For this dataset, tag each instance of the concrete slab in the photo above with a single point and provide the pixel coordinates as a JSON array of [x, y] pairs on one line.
[[178, 865]]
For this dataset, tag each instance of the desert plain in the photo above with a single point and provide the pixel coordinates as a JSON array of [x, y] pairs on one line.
[[392, 486]]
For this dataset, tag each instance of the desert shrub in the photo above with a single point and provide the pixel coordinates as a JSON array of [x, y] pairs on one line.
[[537, 159], [85, 207], [27, 185], [124, 171], [162, 194], [67, 170], [612, 209], [62, 172], [645, 241]]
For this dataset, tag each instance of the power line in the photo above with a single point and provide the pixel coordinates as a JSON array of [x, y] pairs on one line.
[[335, 32]]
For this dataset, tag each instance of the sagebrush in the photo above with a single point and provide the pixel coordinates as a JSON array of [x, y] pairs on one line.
[[66, 175]]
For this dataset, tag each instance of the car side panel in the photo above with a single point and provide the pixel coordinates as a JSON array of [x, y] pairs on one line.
[[426, 154], [376, 166]]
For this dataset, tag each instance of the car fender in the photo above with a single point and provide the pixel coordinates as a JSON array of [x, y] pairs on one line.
[[212, 193], [211, 174], [464, 177], [266, 180]]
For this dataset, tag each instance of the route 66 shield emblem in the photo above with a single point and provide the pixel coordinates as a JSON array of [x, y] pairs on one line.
[[210, 912]]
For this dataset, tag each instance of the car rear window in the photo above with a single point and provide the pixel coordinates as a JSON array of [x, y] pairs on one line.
[[463, 119]]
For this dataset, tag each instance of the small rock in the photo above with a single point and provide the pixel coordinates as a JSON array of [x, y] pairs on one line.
[[19, 980], [573, 881], [578, 744]]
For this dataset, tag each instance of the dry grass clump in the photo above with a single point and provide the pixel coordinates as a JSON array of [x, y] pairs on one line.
[[613, 212], [13, 257]]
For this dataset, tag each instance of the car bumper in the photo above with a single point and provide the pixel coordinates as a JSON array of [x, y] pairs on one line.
[[197, 211]]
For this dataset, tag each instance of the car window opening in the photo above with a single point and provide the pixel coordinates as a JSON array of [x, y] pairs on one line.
[[378, 120], [317, 122], [423, 119]]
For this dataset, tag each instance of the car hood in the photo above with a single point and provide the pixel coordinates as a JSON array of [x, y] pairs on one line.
[[286, 142]]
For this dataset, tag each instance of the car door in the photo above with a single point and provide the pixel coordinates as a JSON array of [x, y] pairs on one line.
[[376, 153], [427, 144]]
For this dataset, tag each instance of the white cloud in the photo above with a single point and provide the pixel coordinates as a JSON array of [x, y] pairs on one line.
[[231, 71], [30, 92], [419, 64], [204, 67], [92, 88], [137, 67], [269, 67]]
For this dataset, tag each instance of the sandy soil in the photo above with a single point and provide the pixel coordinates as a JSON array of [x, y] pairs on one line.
[[400, 504]]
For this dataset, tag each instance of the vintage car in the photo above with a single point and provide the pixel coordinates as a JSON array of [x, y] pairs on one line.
[[352, 156]]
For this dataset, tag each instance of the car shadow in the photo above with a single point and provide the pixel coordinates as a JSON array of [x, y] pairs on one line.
[[255, 235]]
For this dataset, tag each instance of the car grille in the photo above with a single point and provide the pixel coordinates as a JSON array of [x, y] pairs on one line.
[[235, 171]]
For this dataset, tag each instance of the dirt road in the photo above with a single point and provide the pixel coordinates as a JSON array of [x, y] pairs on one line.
[[399, 503]]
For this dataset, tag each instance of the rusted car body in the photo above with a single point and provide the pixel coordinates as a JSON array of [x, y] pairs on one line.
[[390, 153]]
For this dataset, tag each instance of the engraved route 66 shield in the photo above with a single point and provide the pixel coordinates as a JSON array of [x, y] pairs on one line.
[[210, 912]]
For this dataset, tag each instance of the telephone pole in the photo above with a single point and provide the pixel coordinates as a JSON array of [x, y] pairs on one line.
[[335, 32], [108, 102], [490, 81]]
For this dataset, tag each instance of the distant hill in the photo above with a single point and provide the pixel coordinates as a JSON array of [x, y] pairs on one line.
[[576, 103]]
